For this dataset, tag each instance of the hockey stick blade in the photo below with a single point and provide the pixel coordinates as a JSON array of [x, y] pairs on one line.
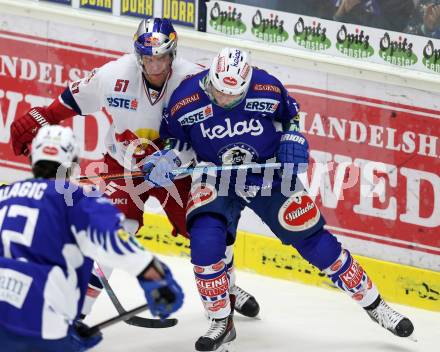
[[152, 323], [135, 320]]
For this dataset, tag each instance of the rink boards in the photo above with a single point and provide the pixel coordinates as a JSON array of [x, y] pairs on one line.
[[354, 113], [267, 256]]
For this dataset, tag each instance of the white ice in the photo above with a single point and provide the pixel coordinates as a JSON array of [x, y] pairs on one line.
[[294, 318]]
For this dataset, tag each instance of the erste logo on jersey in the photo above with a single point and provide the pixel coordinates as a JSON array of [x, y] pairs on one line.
[[122, 102], [237, 153], [252, 127], [196, 116], [298, 213], [261, 105]]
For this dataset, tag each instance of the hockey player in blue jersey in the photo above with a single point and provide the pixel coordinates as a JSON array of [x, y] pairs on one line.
[[47, 250], [236, 114]]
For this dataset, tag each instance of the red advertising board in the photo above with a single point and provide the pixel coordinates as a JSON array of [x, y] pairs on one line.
[[33, 71], [380, 177]]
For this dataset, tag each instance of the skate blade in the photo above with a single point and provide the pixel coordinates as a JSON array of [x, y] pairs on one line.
[[226, 347]]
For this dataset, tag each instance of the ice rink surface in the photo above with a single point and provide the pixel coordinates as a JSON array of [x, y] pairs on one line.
[[293, 318]]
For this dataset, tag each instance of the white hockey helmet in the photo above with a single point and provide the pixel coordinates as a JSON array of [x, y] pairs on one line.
[[231, 72], [55, 143]]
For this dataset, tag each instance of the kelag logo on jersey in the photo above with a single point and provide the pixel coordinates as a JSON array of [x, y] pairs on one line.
[[122, 102], [261, 105], [196, 116], [253, 127]]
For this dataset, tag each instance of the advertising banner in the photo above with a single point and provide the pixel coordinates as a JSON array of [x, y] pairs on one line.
[[374, 161], [376, 170], [137, 8], [34, 71], [66, 2], [100, 5], [181, 12], [315, 34]]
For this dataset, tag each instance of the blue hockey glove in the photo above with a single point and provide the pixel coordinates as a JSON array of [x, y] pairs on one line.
[[159, 166], [79, 342], [294, 149], [164, 296]]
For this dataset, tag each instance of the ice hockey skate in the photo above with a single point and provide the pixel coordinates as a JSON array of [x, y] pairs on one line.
[[387, 317], [245, 303], [220, 334]]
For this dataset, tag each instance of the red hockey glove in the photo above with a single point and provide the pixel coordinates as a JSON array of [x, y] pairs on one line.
[[25, 128]]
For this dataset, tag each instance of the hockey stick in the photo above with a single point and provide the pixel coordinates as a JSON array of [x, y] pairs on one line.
[[90, 331], [182, 170], [135, 321]]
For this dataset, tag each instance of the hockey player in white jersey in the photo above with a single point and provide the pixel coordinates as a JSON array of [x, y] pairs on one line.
[[134, 91], [47, 250]]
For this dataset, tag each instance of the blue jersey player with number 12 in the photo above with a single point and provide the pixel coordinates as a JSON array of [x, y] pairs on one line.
[[47, 247], [236, 114]]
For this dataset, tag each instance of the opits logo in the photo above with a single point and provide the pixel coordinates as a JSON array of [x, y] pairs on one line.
[[252, 127], [230, 81]]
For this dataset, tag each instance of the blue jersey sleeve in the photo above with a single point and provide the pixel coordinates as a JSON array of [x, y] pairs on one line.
[[288, 109], [97, 226]]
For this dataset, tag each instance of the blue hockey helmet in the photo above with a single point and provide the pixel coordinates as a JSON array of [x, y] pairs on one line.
[[155, 36]]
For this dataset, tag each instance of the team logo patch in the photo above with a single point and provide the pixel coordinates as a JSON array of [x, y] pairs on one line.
[[266, 88], [184, 102], [122, 102], [213, 287], [196, 116], [261, 105], [237, 153], [298, 213], [200, 194], [353, 275]]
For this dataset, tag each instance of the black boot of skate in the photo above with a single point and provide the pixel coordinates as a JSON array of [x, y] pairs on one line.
[[219, 334], [387, 317], [245, 303]]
